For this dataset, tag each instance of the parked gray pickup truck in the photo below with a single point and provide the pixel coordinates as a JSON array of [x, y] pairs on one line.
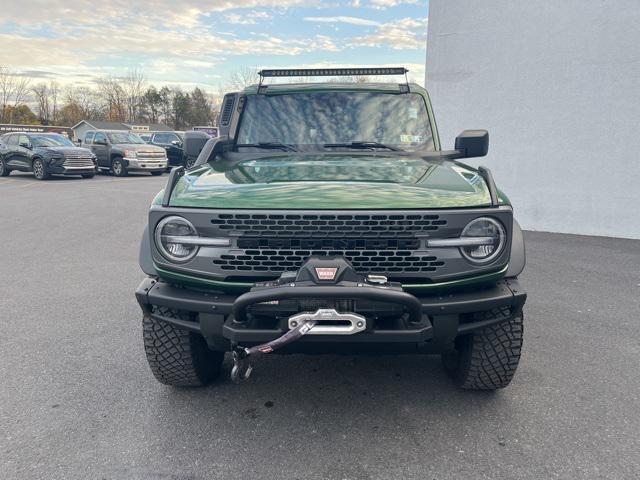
[[121, 152]]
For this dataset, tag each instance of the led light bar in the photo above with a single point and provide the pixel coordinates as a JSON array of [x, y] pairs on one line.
[[331, 72]]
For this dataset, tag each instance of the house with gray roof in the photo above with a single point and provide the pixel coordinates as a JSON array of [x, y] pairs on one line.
[[80, 128]]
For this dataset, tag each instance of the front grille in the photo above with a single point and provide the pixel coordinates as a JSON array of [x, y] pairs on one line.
[[382, 243], [78, 161], [321, 225], [373, 261], [380, 255], [151, 155]]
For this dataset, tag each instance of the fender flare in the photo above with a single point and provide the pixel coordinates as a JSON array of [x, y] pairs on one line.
[[518, 257], [145, 260]]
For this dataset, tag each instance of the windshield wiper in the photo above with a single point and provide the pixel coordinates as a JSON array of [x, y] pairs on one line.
[[362, 146], [270, 145]]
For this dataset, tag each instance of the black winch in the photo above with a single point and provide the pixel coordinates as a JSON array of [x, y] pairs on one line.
[[327, 289]]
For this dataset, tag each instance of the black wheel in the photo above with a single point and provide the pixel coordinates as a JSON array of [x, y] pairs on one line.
[[155, 174], [118, 168], [488, 358], [4, 171], [178, 357], [40, 169], [189, 162], [88, 175]]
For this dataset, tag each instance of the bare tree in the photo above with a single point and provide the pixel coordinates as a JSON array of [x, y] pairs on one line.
[[243, 77], [114, 98], [81, 103], [41, 94], [133, 87], [53, 100], [46, 98], [13, 90]]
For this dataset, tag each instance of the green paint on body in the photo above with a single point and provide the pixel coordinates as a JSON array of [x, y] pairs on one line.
[[332, 181]]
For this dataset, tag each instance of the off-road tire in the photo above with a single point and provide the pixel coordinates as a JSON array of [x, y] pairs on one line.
[[155, 174], [88, 175], [118, 167], [178, 357], [4, 171], [40, 169], [487, 359]]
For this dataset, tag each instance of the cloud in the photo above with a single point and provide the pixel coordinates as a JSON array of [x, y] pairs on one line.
[[390, 3], [407, 33], [166, 12], [343, 19], [179, 39], [249, 18]]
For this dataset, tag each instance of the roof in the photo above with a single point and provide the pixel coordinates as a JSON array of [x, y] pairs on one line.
[[383, 87], [152, 127], [102, 125]]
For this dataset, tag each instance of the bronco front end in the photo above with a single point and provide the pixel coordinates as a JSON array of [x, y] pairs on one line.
[[326, 218]]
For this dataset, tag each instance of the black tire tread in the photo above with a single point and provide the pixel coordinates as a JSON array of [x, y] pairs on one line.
[[4, 171], [488, 359], [178, 357]]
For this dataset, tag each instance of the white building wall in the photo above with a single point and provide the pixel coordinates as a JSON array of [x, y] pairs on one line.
[[557, 84]]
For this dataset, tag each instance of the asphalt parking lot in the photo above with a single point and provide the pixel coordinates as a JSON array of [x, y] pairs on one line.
[[77, 399]]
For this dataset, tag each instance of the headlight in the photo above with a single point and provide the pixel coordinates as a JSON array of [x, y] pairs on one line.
[[167, 236], [130, 153], [493, 234], [57, 160]]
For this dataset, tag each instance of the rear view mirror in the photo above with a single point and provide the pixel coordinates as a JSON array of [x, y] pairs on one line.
[[472, 143]]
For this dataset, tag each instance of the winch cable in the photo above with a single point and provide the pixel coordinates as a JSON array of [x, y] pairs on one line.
[[242, 355]]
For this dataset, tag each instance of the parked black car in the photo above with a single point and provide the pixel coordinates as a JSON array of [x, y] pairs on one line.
[[171, 142], [44, 154]]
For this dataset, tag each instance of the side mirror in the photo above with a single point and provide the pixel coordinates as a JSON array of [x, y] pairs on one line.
[[472, 143], [176, 143], [26, 145], [99, 142]]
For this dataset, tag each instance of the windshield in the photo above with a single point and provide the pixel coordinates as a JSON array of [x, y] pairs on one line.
[[318, 120], [124, 137], [51, 140]]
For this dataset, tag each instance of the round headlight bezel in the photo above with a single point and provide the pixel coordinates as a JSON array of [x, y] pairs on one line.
[[502, 235], [158, 234]]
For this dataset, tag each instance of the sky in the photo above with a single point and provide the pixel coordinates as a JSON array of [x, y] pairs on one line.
[[191, 43]]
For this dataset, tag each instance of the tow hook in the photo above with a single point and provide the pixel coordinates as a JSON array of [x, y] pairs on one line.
[[242, 367]]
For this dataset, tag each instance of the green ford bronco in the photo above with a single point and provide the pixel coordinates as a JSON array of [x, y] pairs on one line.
[[326, 218]]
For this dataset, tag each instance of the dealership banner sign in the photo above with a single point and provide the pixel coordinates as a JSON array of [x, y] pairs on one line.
[[9, 127]]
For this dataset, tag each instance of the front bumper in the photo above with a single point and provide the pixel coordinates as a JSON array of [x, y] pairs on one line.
[[146, 165], [441, 318], [61, 170]]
